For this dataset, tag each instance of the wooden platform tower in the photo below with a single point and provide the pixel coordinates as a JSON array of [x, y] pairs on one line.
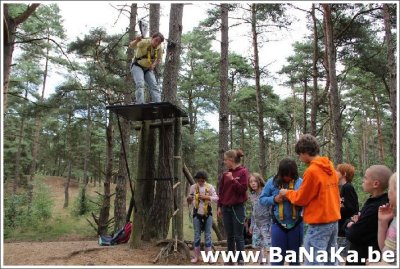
[[156, 115]]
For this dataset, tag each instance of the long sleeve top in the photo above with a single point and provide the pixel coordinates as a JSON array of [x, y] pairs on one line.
[[233, 192], [206, 189], [267, 199], [319, 193], [363, 233]]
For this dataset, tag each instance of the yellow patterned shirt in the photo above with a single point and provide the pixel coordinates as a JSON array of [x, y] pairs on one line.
[[146, 54]]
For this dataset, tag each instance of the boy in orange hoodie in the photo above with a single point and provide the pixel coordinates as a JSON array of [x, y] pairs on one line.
[[320, 198]]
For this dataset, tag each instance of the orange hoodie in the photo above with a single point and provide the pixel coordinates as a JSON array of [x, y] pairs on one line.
[[319, 193]]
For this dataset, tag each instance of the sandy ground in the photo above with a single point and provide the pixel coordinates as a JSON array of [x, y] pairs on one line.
[[77, 253]]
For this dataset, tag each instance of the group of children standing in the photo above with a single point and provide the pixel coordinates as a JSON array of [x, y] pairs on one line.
[[280, 206]]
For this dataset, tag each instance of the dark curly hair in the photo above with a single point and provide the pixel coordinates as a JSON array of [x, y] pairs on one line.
[[307, 144]]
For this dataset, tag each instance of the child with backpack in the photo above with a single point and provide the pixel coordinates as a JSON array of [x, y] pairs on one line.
[[201, 194]]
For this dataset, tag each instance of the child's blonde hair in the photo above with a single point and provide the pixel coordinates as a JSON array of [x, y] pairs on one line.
[[259, 179]]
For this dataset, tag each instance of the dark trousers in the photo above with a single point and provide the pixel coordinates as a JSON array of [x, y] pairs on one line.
[[233, 219], [287, 240]]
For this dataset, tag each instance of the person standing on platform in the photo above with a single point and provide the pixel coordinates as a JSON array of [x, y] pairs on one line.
[[148, 54]]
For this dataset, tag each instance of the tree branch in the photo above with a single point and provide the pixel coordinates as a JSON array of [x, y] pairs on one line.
[[25, 15]]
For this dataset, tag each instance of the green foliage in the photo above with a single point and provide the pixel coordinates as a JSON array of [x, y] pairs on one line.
[[84, 204], [81, 204], [42, 203], [19, 213]]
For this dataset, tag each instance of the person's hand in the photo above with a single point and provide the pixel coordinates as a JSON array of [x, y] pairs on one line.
[[189, 199], [385, 213], [349, 224], [229, 175], [355, 218], [251, 230], [153, 66], [283, 192], [219, 212], [139, 38], [278, 198], [204, 197]]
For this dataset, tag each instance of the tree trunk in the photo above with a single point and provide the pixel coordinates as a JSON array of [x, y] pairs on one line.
[[335, 102], [88, 141], [223, 99], [38, 117], [177, 221], [9, 34], [120, 188], [66, 186], [379, 126], [150, 172], [105, 206], [161, 211], [305, 107], [139, 214], [21, 134], [68, 142], [314, 100], [259, 107], [391, 65]]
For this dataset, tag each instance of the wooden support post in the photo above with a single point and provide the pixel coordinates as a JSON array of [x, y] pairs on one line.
[[177, 221], [138, 216]]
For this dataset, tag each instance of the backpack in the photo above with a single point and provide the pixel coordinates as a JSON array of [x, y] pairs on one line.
[[120, 237]]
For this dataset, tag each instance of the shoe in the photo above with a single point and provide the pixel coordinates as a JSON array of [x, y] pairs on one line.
[[241, 263], [208, 250], [228, 263], [196, 257]]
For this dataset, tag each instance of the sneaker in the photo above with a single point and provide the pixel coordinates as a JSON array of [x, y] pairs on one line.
[[228, 263]]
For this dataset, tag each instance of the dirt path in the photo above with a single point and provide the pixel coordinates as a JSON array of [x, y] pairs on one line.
[[78, 253]]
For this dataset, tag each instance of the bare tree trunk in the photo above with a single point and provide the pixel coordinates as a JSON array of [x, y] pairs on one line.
[[10, 30], [223, 98], [21, 134], [68, 141], [259, 101], [38, 117], [335, 102], [105, 207], [138, 215], [379, 126], [305, 107], [66, 185], [150, 172], [88, 141], [314, 100], [161, 211], [391, 65]]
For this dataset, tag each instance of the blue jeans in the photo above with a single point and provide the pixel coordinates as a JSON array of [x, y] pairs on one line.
[[287, 240], [321, 237], [207, 231], [233, 219], [140, 76]]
